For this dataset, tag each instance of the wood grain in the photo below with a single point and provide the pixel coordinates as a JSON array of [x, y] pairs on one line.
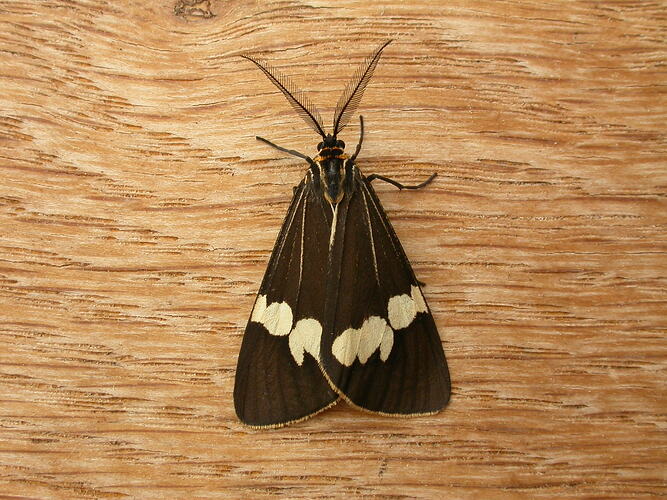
[[138, 212]]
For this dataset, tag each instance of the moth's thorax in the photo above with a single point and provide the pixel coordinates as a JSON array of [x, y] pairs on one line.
[[332, 176], [331, 161]]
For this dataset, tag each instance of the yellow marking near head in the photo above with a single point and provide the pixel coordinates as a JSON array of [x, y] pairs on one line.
[[342, 156]]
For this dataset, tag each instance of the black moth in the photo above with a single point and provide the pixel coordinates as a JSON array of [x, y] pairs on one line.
[[339, 313]]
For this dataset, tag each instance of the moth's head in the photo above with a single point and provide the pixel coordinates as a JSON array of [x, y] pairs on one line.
[[330, 142]]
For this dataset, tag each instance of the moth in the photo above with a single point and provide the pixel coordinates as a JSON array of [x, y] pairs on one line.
[[339, 313]]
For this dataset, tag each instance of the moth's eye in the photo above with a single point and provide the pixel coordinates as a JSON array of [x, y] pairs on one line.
[[341, 144], [320, 146]]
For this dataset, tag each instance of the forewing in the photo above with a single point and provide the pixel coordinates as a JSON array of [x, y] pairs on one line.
[[278, 379], [381, 349]]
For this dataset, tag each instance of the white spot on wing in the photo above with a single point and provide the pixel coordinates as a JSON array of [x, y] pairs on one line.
[[417, 296], [401, 310], [353, 343], [258, 310], [371, 334], [386, 344], [305, 337], [277, 318], [344, 348], [361, 343]]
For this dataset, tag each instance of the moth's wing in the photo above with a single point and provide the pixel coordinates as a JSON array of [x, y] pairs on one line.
[[381, 349], [278, 380]]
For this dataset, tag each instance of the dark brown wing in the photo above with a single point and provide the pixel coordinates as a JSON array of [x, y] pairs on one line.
[[278, 380], [381, 349]]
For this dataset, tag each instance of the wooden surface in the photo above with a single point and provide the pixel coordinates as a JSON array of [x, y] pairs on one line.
[[138, 213]]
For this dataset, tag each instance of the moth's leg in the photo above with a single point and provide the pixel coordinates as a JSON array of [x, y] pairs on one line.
[[372, 177], [361, 138], [288, 151]]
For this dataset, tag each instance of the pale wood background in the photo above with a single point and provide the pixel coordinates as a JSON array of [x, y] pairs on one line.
[[138, 213]]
